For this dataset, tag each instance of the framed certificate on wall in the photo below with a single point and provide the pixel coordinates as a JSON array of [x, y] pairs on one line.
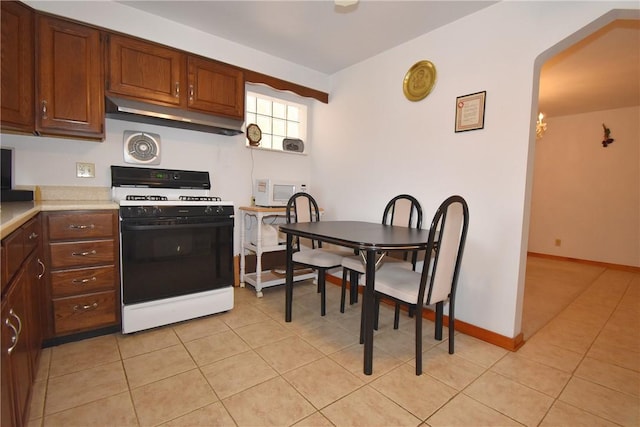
[[470, 111]]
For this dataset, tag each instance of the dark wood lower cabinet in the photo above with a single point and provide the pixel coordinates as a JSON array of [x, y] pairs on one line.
[[20, 317], [16, 358], [83, 278]]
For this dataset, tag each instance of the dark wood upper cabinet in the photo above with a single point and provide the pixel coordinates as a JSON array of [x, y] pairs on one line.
[[145, 70], [17, 67], [69, 75], [215, 87], [151, 72], [54, 73]]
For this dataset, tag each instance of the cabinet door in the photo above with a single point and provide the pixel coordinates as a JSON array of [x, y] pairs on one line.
[[15, 321], [145, 70], [215, 88], [6, 391], [35, 302], [17, 70], [70, 92]]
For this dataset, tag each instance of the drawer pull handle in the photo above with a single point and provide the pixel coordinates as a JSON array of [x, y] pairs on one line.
[[14, 338], [43, 269], [13, 313], [85, 307], [86, 253], [83, 281], [33, 236], [81, 227]]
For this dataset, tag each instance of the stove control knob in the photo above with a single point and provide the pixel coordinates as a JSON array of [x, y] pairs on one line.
[[208, 210], [156, 211], [219, 210], [142, 211]]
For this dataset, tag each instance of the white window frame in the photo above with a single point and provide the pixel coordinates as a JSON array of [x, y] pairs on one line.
[[266, 120]]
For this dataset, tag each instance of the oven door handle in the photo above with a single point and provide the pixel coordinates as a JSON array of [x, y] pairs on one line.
[[143, 227]]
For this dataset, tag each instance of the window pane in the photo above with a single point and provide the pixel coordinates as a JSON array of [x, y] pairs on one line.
[[264, 107], [251, 104], [277, 119], [293, 113], [265, 124], [279, 110], [277, 142], [265, 142], [279, 127], [293, 129]]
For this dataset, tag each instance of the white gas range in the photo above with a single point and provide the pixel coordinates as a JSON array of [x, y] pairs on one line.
[[176, 245]]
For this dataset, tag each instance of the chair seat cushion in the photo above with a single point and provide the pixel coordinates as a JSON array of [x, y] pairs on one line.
[[398, 282], [318, 257], [354, 263]]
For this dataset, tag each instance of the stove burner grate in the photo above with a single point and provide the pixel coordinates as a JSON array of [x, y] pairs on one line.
[[200, 199], [133, 197]]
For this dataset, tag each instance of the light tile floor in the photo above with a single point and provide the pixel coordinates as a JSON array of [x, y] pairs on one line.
[[247, 367]]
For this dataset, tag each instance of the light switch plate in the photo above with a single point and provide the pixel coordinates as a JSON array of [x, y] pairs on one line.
[[85, 170]]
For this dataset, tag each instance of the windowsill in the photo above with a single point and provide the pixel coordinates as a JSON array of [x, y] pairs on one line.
[[304, 153]]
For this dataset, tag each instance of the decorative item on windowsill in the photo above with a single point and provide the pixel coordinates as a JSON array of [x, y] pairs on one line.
[[607, 136], [541, 127], [254, 134]]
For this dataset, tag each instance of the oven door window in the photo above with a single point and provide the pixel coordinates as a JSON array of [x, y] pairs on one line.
[[163, 260]]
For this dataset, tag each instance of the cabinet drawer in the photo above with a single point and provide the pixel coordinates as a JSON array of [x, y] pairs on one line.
[[82, 280], [84, 312], [12, 254], [32, 235], [81, 226], [70, 254]]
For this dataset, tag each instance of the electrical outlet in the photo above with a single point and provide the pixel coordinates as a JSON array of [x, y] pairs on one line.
[[558, 242], [85, 170]]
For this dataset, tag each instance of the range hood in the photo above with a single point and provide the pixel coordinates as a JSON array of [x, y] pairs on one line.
[[142, 112]]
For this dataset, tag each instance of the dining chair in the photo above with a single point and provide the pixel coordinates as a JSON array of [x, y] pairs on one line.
[[437, 282], [403, 210], [302, 207]]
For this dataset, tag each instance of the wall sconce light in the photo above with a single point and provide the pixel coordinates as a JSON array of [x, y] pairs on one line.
[[607, 136], [541, 127], [345, 3]]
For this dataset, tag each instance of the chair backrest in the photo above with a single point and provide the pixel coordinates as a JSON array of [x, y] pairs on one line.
[[403, 210], [447, 237], [302, 207]]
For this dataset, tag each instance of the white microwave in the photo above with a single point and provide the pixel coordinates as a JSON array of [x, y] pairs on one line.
[[269, 192]]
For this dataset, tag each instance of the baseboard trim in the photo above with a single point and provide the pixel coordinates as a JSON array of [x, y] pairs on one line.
[[511, 344], [629, 268]]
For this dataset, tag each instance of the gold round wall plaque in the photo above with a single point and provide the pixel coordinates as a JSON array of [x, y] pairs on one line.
[[419, 80]]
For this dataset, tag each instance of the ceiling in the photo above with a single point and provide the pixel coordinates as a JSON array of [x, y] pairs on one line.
[[600, 72]]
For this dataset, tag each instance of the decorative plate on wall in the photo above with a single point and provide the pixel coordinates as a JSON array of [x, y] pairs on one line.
[[419, 80], [141, 147]]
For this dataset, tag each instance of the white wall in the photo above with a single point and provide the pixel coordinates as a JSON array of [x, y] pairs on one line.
[[369, 143], [586, 195], [232, 166], [377, 144]]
